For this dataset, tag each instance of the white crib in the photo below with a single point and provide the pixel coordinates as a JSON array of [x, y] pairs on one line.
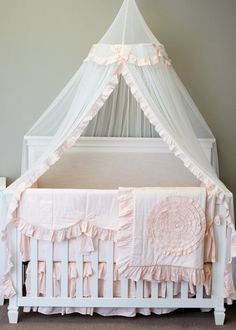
[[150, 148], [184, 301]]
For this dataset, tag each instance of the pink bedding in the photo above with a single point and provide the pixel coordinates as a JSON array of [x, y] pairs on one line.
[[162, 232], [44, 210], [83, 215], [159, 233]]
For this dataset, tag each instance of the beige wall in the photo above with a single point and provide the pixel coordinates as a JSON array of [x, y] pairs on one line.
[[42, 43]]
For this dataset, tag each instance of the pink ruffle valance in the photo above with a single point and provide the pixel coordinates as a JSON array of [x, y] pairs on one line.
[[140, 55]]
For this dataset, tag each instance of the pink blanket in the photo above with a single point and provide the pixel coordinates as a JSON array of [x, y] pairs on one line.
[[162, 234]]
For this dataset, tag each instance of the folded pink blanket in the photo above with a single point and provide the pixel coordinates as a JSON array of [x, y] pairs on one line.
[[162, 233]]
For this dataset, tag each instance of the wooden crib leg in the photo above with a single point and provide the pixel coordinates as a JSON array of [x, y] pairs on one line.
[[13, 314], [13, 302], [219, 315]]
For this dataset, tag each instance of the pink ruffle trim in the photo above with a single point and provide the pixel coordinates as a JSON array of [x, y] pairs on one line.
[[126, 54], [83, 227], [159, 273], [164, 273], [73, 276], [7, 289], [224, 196], [32, 177]]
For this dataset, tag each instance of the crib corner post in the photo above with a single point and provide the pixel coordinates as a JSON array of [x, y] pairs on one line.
[[219, 267], [13, 307], [219, 315]]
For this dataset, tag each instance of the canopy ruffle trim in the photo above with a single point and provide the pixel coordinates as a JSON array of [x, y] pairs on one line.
[[32, 176], [140, 55], [224, 196]]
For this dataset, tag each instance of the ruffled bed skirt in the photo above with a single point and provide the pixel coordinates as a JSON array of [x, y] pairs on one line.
[[73, 276]]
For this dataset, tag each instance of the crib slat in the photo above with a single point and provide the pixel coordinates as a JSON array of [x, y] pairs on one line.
[[49, 270], [139, 289], [80, 268], [124, 288], [169, 290], [64, 267], [94, 278], [199, 294], [184, 290], [20, 270], [34, 267], [110, 269], [154, 288]]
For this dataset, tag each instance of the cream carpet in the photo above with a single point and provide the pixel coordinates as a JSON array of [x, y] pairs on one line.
[[180, 319]]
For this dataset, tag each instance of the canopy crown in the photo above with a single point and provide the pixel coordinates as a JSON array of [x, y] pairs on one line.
[[129, 27]]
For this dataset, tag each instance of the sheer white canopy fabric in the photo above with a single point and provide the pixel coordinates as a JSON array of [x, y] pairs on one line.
[[125, 89], [129, 27]]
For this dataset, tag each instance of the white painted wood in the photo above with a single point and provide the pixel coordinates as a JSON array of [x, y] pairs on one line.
[[124, 287], [34, 267], [184, 290], [118, 302], [110, 269], [114, 144], [80, 269], [199, 294], [19, 269], [170, 287], [94, 277], [154, 290], [139, 289], [13, 315], [49, 269], [219, 316], [13, 301], [64, 267], [218, 267], [3, 182]]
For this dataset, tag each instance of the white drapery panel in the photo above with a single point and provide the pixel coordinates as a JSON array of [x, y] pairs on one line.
[[79, 105], [157, 84], [68, 109], [121, 116]]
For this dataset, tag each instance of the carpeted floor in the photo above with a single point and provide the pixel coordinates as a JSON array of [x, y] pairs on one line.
[[180, 319]]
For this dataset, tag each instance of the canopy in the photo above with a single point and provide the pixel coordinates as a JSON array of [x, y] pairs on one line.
[[126, 86]]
